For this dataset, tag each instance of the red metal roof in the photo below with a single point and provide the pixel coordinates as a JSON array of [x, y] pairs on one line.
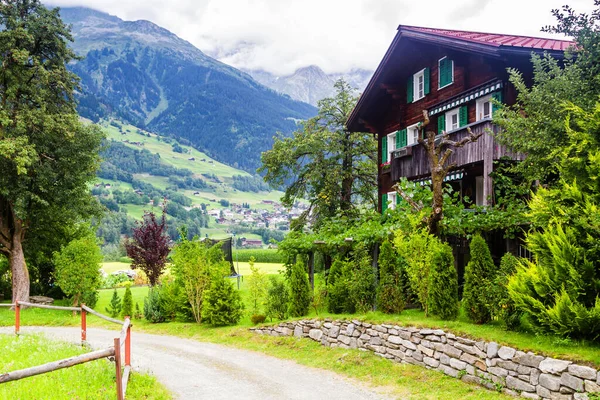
[[494, 39]]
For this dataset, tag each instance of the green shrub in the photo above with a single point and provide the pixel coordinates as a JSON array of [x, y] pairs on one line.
[[152, 307], [299, 290], [260, 255], [257, 319], [138, 313], [115, 280], [78, 270], [337, 289], [503, 308], [443, 283], [560, 292], [277, 299], [222, 304], [361, 287], [115, 306], [257, 288], [479, 276], [173, 301], [390, 292], [127, 310], [416, 248]]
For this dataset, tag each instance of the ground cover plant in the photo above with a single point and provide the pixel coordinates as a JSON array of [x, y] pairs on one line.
[[94, 379]]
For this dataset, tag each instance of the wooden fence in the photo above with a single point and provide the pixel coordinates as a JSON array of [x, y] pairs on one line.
[[124, 339]]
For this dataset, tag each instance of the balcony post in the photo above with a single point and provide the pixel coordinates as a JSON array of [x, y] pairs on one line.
[[488, 167]]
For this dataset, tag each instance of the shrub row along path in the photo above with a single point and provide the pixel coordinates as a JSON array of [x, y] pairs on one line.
[[194, 370]]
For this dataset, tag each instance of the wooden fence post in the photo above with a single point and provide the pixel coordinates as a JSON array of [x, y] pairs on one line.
[[83, 325], [128, 344], [118, 369], [17, 317]]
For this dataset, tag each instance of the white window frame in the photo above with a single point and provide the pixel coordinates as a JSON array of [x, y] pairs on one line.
[[410, 137], [440, 75], [391, 200], [449, 115], [391, 145], [479, 107], [416, 94]]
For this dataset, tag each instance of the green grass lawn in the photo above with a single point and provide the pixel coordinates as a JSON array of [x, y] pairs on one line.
[[94, 379], [110, 267]]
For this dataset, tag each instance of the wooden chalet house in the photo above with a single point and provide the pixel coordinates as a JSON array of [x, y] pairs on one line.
[[453, 75]]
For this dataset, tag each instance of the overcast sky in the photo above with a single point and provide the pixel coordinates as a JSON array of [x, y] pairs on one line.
[[280, 36]]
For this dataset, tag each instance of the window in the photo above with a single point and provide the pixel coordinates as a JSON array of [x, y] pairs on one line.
[[391, 200], [419, 82], [391, 146], [412, 134], [452, 121], [445, 72], [484, 108]]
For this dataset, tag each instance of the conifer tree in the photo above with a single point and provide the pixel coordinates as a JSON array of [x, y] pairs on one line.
[[443, 283], [127, 308], [115, 306], [503, 307], [222, 304], [390, 292], [299, 290], [479, 275], [361, 286], [337, 290]]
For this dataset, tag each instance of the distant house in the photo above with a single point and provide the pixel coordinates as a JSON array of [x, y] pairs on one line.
[[107, 186], [268, 202], [252, 243], [191, 159]]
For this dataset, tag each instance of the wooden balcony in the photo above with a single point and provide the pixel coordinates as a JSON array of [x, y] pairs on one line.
[[412, 162]]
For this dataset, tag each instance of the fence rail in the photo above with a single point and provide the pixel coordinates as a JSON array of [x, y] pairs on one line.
[[124, 339]]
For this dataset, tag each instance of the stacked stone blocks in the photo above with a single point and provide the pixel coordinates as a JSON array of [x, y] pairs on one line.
[[485, 363]]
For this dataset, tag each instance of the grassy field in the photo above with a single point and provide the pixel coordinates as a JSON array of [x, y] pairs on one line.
[[94, 379]]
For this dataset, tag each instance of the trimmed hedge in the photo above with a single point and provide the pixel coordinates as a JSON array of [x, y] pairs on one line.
[[260, 255]]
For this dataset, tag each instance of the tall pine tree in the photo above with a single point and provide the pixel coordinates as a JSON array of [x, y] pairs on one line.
[[479, 275]]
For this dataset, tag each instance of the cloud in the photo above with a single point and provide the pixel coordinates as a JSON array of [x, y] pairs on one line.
[[280, 36]]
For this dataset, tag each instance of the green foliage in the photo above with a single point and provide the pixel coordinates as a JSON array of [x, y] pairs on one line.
[[173, 301], [152, 306], [257, 288], [127, 310], [138, 314], [115, 280], [196, 265], [222, 304], [257, 319], [391, 289], [479, 276], [277, 299], [416, 248], [443, 283], [337, 288], [115, 306], [503, 308], [78, 269], [361, 286], [259, 255], [327, 164], [299, 290]]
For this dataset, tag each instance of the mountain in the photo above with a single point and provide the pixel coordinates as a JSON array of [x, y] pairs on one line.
[[147, 76], [310, 84]]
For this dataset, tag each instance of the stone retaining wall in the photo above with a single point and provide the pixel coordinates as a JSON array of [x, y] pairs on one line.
[[489, 364]]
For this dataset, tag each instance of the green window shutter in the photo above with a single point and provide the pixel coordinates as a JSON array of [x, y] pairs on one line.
[[498, 97], [409, 89], [384, 150], [441, 123], [384, 204], [402, 135], [426, 81], [398, 200], [445, 71], [463, 116]]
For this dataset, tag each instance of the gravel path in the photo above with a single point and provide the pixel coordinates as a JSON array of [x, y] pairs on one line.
[[197, 370]]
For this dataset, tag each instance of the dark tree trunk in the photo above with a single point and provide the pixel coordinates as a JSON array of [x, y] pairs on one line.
[[347, 180]]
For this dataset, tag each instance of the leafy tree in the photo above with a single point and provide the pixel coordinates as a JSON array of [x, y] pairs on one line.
[[196, 265], [390, 292], [257, 287], [443, 283], [277, 299], [78, 270], [222, 304], [149, 246], [115, 306], [479, 275], [299, 290], [324, 162], [47, 156], [127, 308]]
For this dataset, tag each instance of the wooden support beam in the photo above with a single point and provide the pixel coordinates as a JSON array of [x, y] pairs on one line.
[[48, 307], [104, 317], [311, 269], [488, 167]]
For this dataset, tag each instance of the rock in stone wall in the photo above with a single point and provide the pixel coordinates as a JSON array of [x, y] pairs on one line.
[[485, 363]]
